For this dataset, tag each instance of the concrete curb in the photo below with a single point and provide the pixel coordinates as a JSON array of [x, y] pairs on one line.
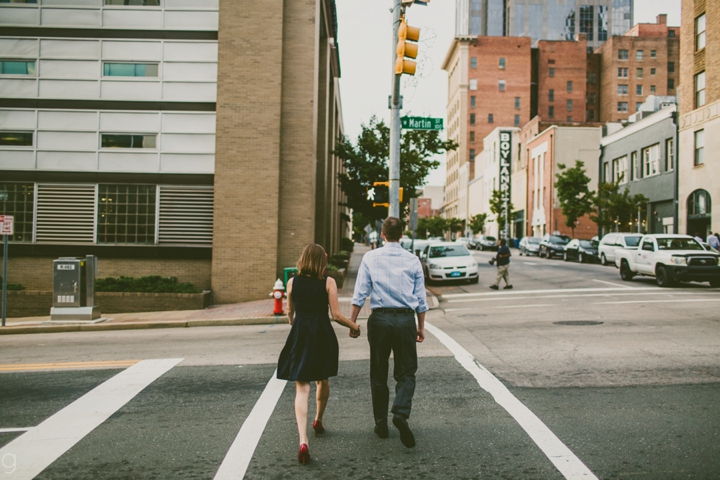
[[434, 303]]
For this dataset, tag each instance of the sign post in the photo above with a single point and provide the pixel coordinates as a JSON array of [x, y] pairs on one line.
[[505, 174], [6, 230]]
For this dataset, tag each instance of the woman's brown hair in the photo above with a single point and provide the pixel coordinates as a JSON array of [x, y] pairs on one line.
[[313, 261]]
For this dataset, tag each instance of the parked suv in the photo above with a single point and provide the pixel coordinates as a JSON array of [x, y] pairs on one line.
[[553, 245], [611, 241], [487, 243]]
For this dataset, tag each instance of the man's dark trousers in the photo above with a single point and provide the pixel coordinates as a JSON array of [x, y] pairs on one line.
[[396, 332]]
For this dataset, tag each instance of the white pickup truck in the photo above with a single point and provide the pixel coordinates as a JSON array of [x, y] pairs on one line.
[[670, 259]]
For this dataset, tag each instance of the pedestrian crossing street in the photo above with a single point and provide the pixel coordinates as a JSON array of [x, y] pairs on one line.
[[156, 419]]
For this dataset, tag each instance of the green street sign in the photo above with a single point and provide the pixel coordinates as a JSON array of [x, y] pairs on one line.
[[421, 123]]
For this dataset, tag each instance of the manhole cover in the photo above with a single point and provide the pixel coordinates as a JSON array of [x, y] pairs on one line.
[[577, 322]]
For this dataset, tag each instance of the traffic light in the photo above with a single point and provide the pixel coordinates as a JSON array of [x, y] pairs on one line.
[[380, 194], [406, 34]]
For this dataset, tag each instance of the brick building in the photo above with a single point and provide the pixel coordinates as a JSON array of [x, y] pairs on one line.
[[699, 144], [561, 78], [645, 61], [193, 144]]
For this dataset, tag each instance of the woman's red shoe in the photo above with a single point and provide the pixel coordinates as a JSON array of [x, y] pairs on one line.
[[318, 427], [304, 454]]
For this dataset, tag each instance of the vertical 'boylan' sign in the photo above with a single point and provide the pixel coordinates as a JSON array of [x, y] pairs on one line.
[[505, 184]]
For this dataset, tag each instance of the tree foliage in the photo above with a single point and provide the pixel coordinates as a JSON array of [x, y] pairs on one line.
[[455, 225], [575, 197], [432, 226], [615, 209], [477, 223], [497, 206], [366, 161]]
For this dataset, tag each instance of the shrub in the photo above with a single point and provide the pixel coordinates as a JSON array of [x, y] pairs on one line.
[[347, 244], [13, 286], [149, 284], [331, 268]]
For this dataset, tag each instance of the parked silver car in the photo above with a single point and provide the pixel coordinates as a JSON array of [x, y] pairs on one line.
[[529, 245]]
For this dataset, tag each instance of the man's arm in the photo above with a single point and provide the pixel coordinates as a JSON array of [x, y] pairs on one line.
[[420, 327]]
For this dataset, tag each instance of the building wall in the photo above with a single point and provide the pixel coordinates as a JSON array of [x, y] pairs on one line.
[[568, 61], [592, 87]]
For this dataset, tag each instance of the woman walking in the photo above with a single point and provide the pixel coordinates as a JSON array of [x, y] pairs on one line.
[[311, 350]]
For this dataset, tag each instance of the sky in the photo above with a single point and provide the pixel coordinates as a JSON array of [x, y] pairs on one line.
[[367, 56]]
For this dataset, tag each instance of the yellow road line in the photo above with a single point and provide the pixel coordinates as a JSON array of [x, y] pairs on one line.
[[67, 365]]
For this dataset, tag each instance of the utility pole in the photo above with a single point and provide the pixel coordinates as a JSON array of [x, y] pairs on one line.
[[395, 105]]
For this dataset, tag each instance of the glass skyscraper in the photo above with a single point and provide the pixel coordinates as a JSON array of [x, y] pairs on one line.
[[545, 19]]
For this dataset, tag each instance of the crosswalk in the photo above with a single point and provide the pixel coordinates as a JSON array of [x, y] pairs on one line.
[[38, 447]]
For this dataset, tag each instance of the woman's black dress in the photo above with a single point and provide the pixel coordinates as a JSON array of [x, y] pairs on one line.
[[311, 349]]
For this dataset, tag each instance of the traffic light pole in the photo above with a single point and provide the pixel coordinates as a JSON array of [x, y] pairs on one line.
[[394, 167]]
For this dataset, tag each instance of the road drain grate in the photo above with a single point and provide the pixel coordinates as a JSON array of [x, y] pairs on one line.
[[577, 322]]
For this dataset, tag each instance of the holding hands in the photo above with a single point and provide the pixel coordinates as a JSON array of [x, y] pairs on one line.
[[355, 331]]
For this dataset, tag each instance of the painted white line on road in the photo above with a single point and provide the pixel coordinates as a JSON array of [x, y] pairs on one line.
[[686, 300], [555, 290], [556, 451], [14, 430], [523, 306], [40, 446], [611, 283], [528, 263], [613, 294], [238, 457], [457, 309]]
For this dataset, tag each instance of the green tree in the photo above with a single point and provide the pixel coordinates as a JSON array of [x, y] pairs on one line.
[[615, 209], [477, 223], [432, 226], [498, 208], [575, 197], [455, 225], [366, 161]]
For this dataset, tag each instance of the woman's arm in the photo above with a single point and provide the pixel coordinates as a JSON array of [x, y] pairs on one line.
[[331, 288], [290, 303]]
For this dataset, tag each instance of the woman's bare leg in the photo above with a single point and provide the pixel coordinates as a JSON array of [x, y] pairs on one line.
[[302, 395], [323, 393]]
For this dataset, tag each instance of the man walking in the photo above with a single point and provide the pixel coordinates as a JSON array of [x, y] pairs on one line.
[[393, 278], [713, 240], [503, 265]]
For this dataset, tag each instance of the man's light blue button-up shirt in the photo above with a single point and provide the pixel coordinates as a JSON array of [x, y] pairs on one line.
[[393, 277]]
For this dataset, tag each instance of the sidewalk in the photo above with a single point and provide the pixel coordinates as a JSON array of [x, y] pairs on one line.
[[258, 312]]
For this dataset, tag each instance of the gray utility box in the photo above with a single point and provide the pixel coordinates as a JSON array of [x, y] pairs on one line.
[[74, 289]]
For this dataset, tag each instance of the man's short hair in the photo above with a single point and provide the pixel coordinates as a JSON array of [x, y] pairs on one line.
[[392, 228], [502, 242]]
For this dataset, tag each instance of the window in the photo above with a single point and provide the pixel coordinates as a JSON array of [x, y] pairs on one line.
[[569, 105], [591, 78], [112, 140], [652, 72], [700, 89], [622, 73], [472, 154], [517, 103], [569, 86], [473, 84], [130, 69], [126, 214], [652, 88], [16, 139], [700, 32], [142, 3], [551, 95], [551, 72], [637, 106], [622, 89], [501, 85], [653, 54], [633, 166], [473, 62], [19, 204], [639, 55], [551, 111], [651, 160], [671, 33], [17, 67], [619, 168], [501, 63], [590, 115], [472, 119], [671, 84], [19, 1], [517, 120], [699, 147], [490, 118], [568, 118], [591, 97], [638, 89], [606, 172], [669, 154], [473, 101], [639, 73], [622, 54], [622, 106], [472, 137]]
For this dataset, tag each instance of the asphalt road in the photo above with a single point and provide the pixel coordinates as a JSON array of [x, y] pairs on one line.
[[625, 376]]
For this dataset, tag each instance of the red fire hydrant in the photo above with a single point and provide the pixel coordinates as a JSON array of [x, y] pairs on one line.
[[278, 293]]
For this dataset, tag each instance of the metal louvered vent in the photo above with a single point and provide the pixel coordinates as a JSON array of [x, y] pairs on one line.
[[185, 216], [65, 214]]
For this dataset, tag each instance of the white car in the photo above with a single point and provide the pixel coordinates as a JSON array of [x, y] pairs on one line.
[[449, 261], [611, 241]]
